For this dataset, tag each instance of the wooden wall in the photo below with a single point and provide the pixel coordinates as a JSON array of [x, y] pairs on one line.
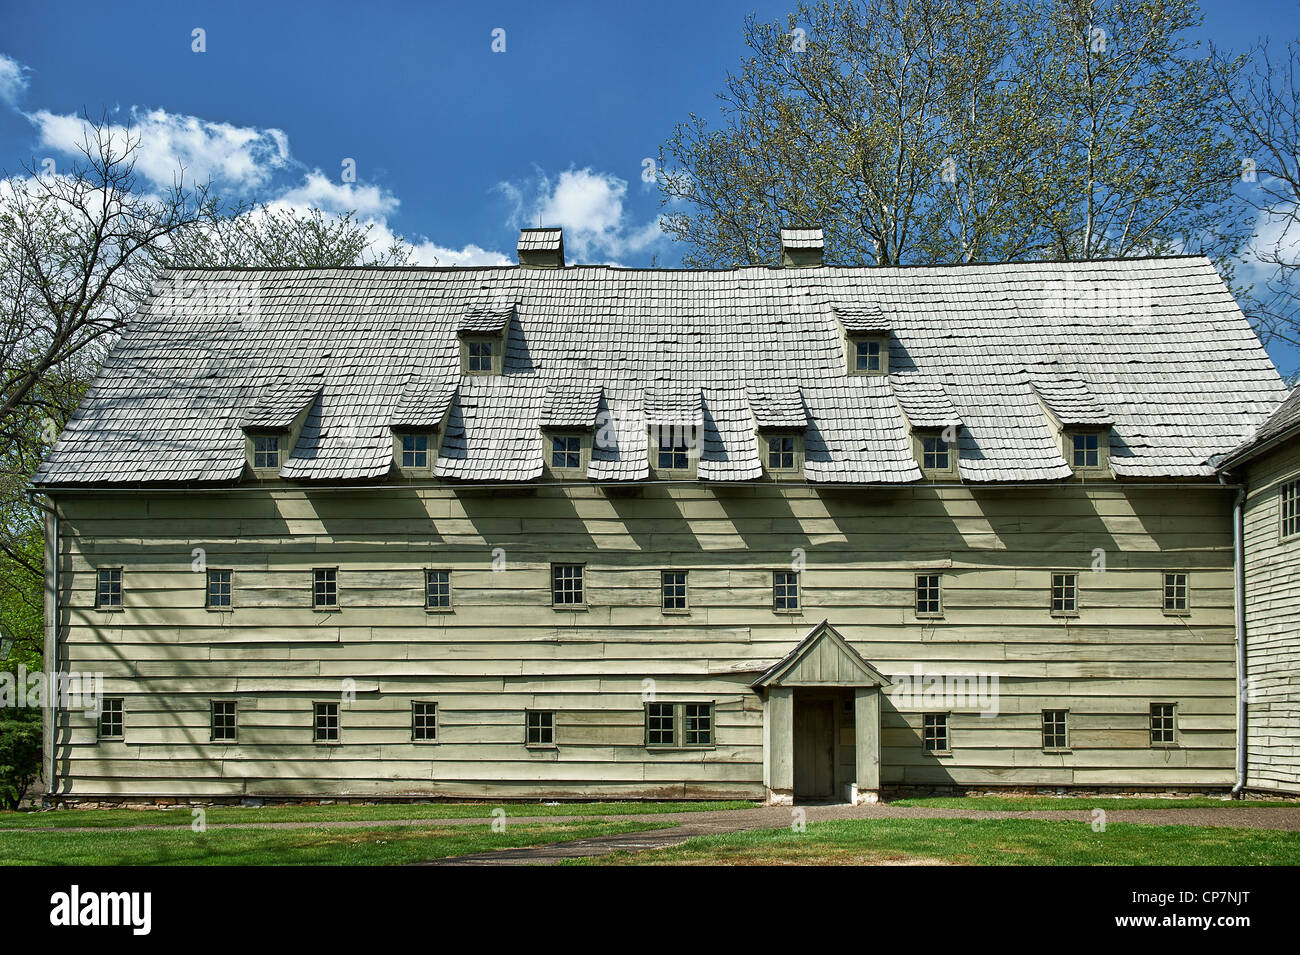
[[1272, 628], [504, 648]]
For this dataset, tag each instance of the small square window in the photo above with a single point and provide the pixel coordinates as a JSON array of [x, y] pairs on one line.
[[566, 452], [672, 589], [540, 728], [415, 451], [479, 356], [223, 721], [785, 591], [935, 454], [266, 451], [1065, 593], [325, 588], [424, 722], [781, 453], [111, 722], [219, 588], [660, 724], [1290, 507], [674, 453], [927, 595], [1087, 453], [108, 589], [1175, 593], [934, 731], [437, 589], [867, 355], [325, 722], [1162, 724], [1054, 736], [698, 724], [566, 585]]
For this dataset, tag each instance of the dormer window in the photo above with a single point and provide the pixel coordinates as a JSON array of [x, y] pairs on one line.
[[782, 454], [869, 355], [674, 454], [481, 356], [936, 452], [1086, 453], [415, 451], [567, 452], [266, 451]]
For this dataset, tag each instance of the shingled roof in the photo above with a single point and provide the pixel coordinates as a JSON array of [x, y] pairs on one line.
[[1282, 425], [1169, 359]]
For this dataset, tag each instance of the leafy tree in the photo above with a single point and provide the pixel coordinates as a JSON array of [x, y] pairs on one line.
[[20, 753]]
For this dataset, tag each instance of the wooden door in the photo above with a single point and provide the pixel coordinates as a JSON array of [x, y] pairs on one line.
[[814, 749]]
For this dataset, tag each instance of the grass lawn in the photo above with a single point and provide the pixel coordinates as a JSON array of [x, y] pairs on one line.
[[975, 842], [1027, 803], [369, 846], [180, 816]]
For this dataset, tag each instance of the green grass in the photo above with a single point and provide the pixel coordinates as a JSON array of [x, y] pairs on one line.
[[1027, 803], [180, 816], [975, 842], [361, 846]]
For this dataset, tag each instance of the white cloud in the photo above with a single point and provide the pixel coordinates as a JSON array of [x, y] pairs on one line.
[[320, 192], [13, 80]]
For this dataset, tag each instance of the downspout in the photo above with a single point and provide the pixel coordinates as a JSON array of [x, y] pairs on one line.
[[1239, 606]]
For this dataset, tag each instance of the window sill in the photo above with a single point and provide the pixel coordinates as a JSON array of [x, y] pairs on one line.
[[1164, 746], [1053, 751], [938, 752], [218, 609], [676, 613], [563, 607], [930, 616], [1177, 613], [542, 747], [439, 610], [663, 748], [1064, 614], [326, 609], [110, 609], [788, 613]]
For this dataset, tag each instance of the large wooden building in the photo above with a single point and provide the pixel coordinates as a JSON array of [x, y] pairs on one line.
[[548, 531]]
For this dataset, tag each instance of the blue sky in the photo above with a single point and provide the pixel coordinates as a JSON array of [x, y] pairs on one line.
[[455, 146]]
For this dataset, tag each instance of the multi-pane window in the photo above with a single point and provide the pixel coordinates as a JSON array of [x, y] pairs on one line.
[[1175, 592], [566, 585], [867, 355], [1054, 729], [1290, 501], [108, 587], [219, 588], [437, 589], [415, 450], [781, 453], [223, 721], [674, 453], [672, 588], [539, 728], [934, 733], [679, 724], [566, 451], [935, 455], [785, 590], [424, 721], [1086, 451], [479, 356], [266, 451], [325, 587], [110, 718], [1065, 593], [1162, 724], [927, 594], [325, 722]]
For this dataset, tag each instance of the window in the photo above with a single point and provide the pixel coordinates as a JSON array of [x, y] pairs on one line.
[[1162, 724], [672, 589], [1087, 452], [782, 453], [325, 588], [110, 718], [266, 451], [437, 590], [424, 722], [1290, 502], [415, 450], [1054, 729], [539, 728], [566, 585], [785, 591], [325, 722], [674, 453], [219, 588], [108, 588], [566, 452], [927, 595], [680, 725], [1065, 593], [223, 721], [480, 356], [1176, 593], [934, 733], [867, 355], [934, 454]]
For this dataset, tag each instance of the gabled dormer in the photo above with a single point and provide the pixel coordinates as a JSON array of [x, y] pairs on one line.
[[272, 428], [933, 425], [865, 331], [674, 414], [781, 423], [568, 423], [483, 332], [1081, 423], [418, 422]]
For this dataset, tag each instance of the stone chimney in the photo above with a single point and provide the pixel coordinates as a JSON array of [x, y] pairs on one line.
[[541, 248], [801, 248]]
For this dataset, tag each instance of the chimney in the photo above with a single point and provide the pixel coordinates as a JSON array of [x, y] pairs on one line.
[[541, 248], [801, 248]]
